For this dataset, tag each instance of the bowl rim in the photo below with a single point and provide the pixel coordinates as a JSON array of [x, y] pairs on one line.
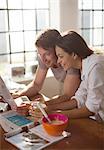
[[44, 120]]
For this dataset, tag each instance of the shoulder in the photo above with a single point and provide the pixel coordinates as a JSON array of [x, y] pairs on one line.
[[95, 78], [94, 74], [91, 64], [94, 59], [97, 71]]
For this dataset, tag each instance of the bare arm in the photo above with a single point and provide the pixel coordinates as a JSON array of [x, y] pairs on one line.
[[70, 109], [71, 84], [35, 86], [78, 112], [67, 105]]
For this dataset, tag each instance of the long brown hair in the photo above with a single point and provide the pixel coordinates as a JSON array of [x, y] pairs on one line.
[[74, 43]]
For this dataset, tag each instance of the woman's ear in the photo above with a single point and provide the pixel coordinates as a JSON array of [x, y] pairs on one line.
[[74, 56]]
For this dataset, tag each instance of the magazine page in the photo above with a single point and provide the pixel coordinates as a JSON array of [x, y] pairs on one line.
[[11, 120], [39, 130], [20, 142], [36, 138]]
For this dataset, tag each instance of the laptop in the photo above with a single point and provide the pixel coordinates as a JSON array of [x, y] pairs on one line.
[[4, 92], [13, 103]]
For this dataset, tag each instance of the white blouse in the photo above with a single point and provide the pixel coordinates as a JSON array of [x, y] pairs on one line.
[[91, 89]]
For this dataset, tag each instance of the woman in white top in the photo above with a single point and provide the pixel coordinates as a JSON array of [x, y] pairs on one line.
[[73, 52]]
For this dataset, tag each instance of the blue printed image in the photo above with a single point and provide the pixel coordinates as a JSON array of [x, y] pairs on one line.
[[19, 120]]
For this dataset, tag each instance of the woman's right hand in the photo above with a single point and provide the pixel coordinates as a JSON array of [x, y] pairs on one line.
[[35, 112]]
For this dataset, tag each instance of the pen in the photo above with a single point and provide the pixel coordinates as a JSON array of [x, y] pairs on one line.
[[43, 111]]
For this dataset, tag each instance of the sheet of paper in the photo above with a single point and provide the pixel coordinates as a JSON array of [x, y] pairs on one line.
[[19, 142]]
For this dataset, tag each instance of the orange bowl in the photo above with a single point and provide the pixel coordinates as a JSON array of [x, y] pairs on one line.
[[57, 126]]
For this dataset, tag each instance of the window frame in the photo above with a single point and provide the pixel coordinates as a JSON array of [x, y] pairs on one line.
[[9, 53]]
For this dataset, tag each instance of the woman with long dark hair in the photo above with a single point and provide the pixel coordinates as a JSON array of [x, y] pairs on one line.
[[73, 52]]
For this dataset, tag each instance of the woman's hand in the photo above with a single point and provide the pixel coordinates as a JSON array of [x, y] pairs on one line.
[[57, 100], [35, 112]]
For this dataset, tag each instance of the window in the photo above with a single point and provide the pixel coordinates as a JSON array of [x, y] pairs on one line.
[[20, 21], [92, 22]]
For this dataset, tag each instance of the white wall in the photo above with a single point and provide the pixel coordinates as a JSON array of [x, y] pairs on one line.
[[68, 15], [54, 14], [64, 14]]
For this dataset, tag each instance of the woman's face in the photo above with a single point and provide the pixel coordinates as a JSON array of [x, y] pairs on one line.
[[66, 60], [48, 57]]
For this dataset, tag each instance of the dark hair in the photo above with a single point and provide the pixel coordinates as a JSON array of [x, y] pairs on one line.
[[73, 42], [47, 39]]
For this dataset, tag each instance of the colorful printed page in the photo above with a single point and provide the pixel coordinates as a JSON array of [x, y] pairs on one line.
[[11, 120], [27, 141]]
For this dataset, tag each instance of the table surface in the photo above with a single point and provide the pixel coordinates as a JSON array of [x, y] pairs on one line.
[[85, 134]]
